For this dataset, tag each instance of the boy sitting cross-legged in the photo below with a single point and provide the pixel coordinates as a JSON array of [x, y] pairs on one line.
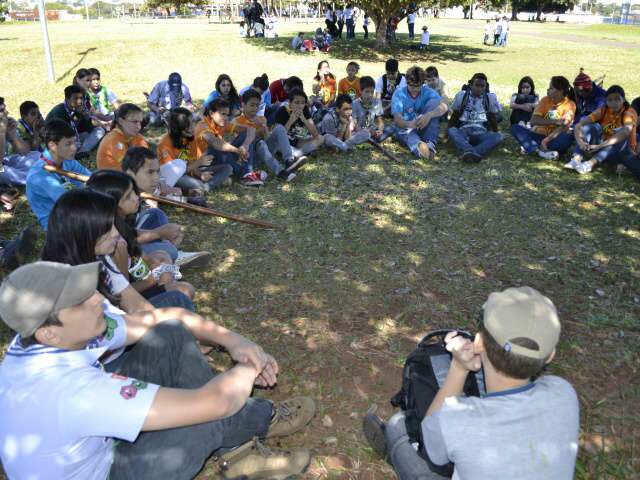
[[520, 429], [70, 398]]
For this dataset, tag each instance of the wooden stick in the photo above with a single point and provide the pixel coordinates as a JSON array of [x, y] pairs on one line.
[[384, 151], [175, 203]]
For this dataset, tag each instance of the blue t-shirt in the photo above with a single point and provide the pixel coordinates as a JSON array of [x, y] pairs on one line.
[[264, 101], [215, 94], [410, 107], [596, 100], [44, 188]]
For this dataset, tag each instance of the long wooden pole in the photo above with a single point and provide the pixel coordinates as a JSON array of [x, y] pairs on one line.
[[175, 203], [384, 151]]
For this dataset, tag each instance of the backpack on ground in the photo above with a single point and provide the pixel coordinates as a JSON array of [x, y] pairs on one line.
[[424, 372]]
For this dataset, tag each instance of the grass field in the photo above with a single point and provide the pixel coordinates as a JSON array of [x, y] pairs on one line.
[[376, 253]]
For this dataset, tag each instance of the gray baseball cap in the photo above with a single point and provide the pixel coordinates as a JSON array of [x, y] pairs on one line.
[[34, 292], [522, 313]]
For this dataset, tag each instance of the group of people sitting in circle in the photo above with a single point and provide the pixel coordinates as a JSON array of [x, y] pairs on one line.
[[107, 325]]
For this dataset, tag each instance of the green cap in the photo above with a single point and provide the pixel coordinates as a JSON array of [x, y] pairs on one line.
[[520, 313], [34, 292]]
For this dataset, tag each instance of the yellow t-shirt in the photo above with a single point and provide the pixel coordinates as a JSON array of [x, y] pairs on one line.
[[114, 146], [167, 152], [549, 110], [350, 88], [611, 121]]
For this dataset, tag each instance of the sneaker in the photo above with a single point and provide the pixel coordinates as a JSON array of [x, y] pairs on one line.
[[286, 175], [432, 151], [262, 175], [573, 163], [198, 200], [295, 163], [522, 151], [291, 415], [192, 259], [470, 157], [374, 431], [252, 179], [423, 150], [548, 155], [584, 167], [254, 461], [15, 252]]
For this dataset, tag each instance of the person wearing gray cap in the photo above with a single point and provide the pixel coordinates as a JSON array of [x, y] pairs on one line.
[[69, 402], [521, 428], [168, 94]]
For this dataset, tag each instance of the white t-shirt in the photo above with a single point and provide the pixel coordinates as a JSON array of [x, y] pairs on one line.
[[411, 18], [65, 409], [348, 13], [424, 40], [329, 15], [529, 433]]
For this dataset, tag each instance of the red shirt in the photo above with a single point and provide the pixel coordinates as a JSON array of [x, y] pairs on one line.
[[277, 91]]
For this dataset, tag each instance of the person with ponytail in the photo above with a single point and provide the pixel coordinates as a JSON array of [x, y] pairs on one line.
[[125, 133], [606, 135], [325, 86], [261, 85], [227, 91], [551, 122]]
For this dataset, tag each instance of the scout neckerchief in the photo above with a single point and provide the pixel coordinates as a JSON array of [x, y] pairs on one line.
[[30, 131], [46, 157], [175, 97], [71, 113], [99, 98]]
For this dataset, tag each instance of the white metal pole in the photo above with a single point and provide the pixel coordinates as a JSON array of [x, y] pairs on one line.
[[45, 41], [86, 10]]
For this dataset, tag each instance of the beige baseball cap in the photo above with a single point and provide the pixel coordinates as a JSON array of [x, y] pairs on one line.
[[34, 292], [522, 313]]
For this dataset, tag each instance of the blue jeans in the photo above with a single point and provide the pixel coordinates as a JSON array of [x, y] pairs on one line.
[[240, 169], [592, 133], [429, 134], [169, 356], [172, 298], [411, 30], [481, 143], [402, 454], [530, 141], [150, 219]]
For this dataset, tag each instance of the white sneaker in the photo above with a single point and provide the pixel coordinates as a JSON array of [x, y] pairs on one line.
[[548, 155], [573, 163], [192, 259], [584, 167]]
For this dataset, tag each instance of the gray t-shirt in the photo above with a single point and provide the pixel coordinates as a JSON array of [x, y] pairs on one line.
[[530, 433], [474, 115], [366, 116]]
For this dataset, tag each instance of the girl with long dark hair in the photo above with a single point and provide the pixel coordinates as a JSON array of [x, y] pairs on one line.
[[226, 90], [524, 102], [551, 122]]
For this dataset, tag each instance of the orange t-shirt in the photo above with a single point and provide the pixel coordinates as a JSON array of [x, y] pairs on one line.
[[611, 121], [205, 126], [259, 123], [167, 152], [113, 147], [327, 89], [554, 111], [350, 88]]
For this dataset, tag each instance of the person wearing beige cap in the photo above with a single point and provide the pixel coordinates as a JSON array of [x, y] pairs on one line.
[[66, 401], [525, 426]]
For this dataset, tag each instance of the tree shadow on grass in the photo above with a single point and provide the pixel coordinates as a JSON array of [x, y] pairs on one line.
[[443, 48], [82, 55]]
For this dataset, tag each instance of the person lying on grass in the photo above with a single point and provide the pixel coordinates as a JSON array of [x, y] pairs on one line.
[[416, 111], [267, 143], [149, 227], [180, 164], [83, 227], [518, 334], [212, 134], [296, 119], [340, 128], [551, 121], [157, 410], [608, 135]]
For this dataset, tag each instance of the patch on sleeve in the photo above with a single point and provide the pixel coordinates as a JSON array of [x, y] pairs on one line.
[[130, 391]]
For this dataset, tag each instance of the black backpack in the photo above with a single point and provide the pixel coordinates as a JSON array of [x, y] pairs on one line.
[[425, 370]]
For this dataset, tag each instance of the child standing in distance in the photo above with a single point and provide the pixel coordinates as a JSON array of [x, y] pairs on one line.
[[350, 85], [339, 127], [487, 33], [324, 86], [365, 25], [296, 119], [424, 39], [367, 111], [519, 332], [103, 100], [211, 137], [266, 144], [524, 102]]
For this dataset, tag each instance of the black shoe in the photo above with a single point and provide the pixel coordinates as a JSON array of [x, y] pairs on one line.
[[200, 201], [470, 157], [286, 176], [296, 163], [374, 431], [16, 251]]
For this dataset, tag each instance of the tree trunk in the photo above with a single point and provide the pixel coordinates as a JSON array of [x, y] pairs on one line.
[[539, 10], [381, 22], [471, 12], [514, 12]]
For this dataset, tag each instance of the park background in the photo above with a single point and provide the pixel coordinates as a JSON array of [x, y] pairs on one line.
[[376, 253]]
